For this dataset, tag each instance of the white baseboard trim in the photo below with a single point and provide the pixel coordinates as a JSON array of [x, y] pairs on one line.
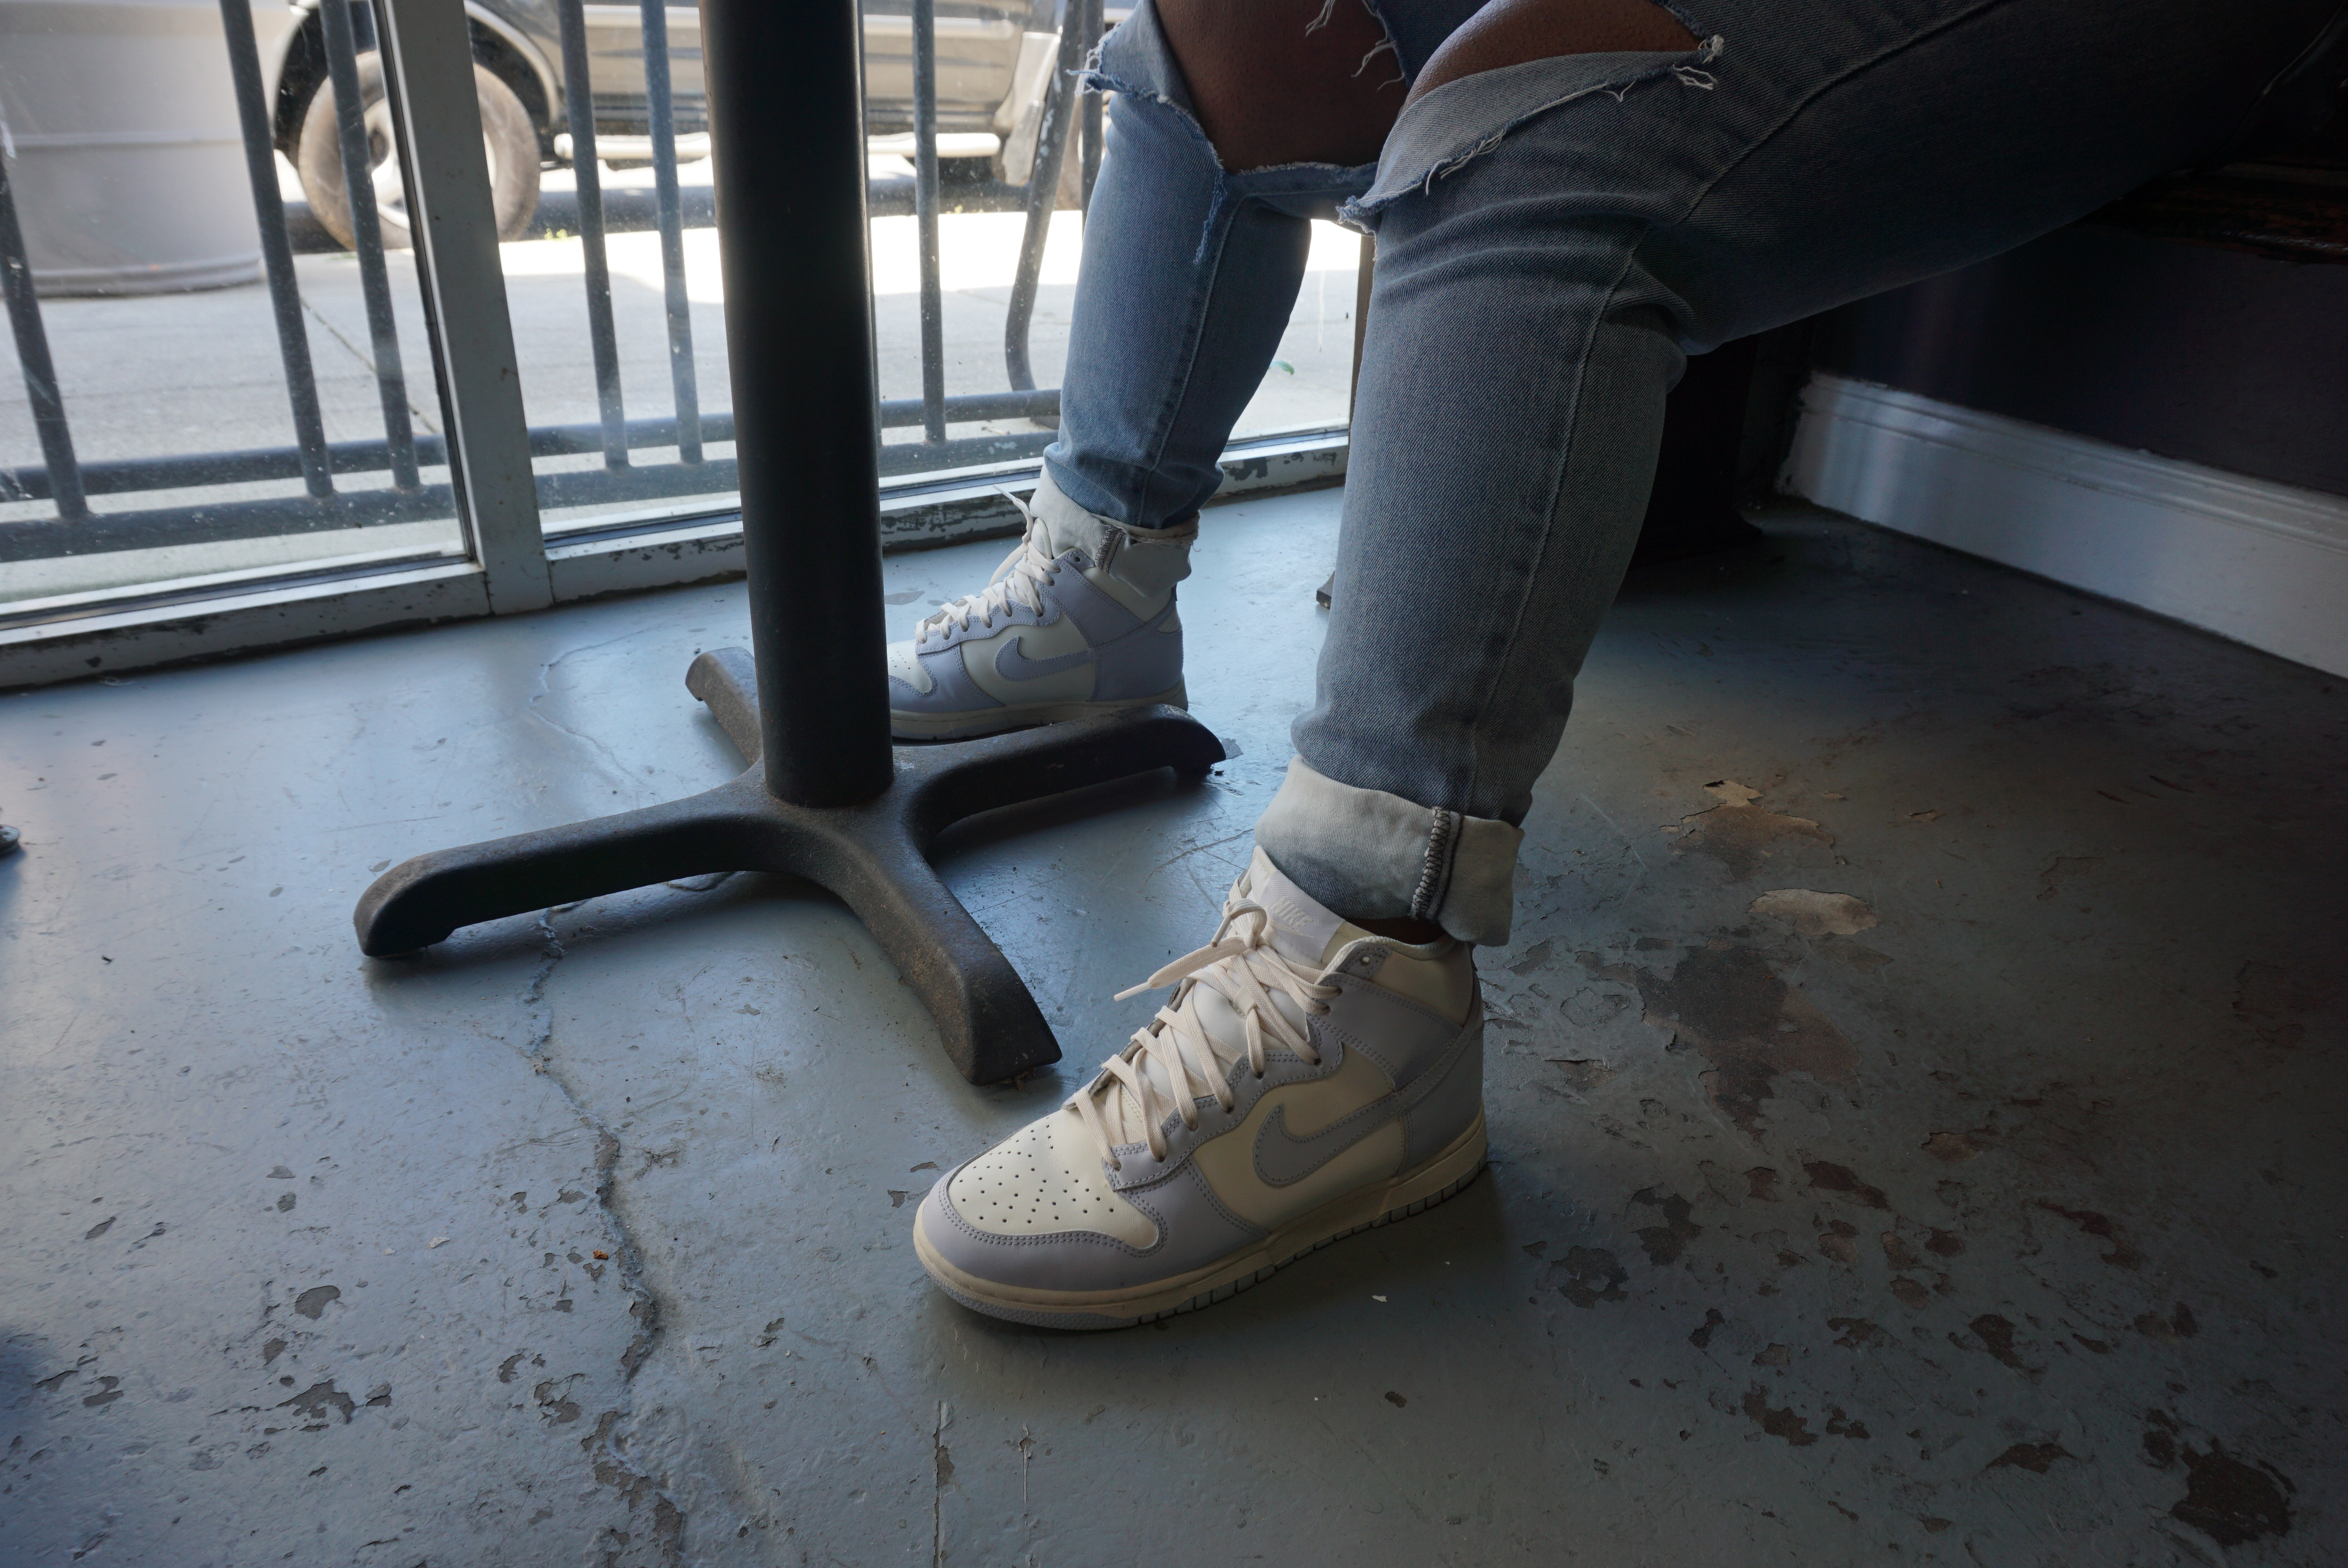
[[2262, 563]]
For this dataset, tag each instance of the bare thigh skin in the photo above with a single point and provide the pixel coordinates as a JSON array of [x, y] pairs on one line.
[[1274, 83]]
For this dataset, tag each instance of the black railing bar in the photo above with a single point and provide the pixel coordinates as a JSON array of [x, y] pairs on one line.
[[661, 112], [198, 470], [587, 176], [213, 523], [986, 462], [39, 371], [1091, 110], [276, 248], [366, 236], [1043, 195], [131, 475], [925, 219]]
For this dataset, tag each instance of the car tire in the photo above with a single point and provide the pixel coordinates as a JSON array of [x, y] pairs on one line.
[[508, 137]]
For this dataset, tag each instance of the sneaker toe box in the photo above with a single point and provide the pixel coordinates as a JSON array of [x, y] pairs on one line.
[[907, 679], [1035, 1213]]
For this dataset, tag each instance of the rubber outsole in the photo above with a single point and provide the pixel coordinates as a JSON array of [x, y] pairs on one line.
[[1468, 1151], [1020, 715]]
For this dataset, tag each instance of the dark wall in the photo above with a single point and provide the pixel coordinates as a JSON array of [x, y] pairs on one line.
[[2187, 350]]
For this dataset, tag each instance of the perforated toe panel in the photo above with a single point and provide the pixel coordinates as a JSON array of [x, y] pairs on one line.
[[905, 665], [1046, 1178]]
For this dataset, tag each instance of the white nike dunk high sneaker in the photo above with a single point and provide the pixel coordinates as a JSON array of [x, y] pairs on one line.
[[1078, 621], [1307, 1081]]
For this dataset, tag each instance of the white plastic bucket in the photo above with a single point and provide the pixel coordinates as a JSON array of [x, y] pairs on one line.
[[126, 159]]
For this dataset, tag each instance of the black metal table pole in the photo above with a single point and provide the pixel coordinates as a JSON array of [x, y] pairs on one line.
[[791, 177], [825, 796]]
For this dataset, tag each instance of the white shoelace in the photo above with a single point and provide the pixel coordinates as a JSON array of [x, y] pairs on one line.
[[1242, 967], [1020, 580]]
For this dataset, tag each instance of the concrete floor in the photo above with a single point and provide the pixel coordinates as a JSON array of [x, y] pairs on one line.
[[1916, 1121]]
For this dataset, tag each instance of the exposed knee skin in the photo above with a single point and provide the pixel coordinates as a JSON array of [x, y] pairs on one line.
[[1272, 87], [1313, 81], [1511, 32]]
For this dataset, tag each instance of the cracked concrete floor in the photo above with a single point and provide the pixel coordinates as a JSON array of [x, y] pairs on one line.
[[1916, 1121]]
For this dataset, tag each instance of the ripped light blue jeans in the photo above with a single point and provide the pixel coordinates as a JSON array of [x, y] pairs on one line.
[[1553, 238]]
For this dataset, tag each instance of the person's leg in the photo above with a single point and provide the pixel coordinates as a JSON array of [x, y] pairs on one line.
[[1237, 121], [1234, 123], [1194, 249], [1553, 236], [1555, 233]]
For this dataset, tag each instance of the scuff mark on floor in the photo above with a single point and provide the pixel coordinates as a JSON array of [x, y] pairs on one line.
[[1744, 837], [1778, 1423], [1591, 1274], [1815, 914], [1725, 1002], [2035, 1457], [2266, 999], [2062, 871], [2233, 1502], [2123, 1255], [1665, 1242]]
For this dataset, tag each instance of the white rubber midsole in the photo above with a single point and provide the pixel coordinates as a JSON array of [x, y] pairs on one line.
[[993, 720], [1356, 1211]]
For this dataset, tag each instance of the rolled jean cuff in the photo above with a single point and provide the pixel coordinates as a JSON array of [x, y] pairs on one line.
[[1370, 855]]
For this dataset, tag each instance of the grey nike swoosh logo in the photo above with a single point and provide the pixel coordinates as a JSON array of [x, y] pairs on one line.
[[1014, 665], [1282, 1158]]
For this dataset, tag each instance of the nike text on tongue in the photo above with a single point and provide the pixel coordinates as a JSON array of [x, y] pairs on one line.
[[1302, 930]]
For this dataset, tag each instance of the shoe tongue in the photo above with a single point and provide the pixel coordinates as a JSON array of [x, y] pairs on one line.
[[1301, 930], [1059, 529]]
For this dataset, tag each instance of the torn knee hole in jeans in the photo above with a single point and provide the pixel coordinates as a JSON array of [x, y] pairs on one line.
[[1416, 173], [1230, 188]]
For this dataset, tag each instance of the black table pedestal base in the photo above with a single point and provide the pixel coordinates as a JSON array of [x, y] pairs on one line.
[[873, 855]]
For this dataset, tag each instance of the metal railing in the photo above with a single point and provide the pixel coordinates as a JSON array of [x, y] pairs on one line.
[[347, 31]]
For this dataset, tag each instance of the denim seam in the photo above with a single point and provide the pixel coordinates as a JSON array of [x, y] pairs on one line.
[[1435, 876], [1169, 409], [1840, 78], [2248, 126], [1548, 534], [1202, 303], [1685, 18]]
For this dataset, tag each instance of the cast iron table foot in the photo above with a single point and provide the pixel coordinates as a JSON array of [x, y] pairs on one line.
[[874, 855]]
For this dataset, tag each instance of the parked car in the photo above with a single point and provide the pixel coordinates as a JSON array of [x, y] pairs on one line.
[[994, 65]]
